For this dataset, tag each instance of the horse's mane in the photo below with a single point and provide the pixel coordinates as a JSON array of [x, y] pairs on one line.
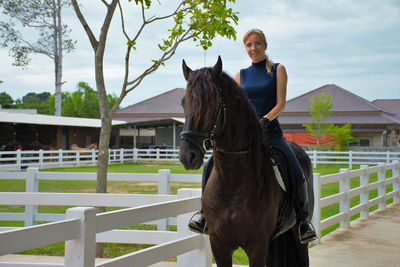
[[204, 95]]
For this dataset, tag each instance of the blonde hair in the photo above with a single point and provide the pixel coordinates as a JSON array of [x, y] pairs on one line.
[[261, 35]]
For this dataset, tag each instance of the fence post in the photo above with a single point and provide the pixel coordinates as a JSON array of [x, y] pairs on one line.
[[315, 158], [41, 158], [350, 159], [163, 189], [200, 257], [364, 196], [316, 219], [158, 154], [382, 186], [387, 157], [78, 158], [93, 156], [18, 159], [60, 157], [81, 252], [396, 183], [121, 155], [344, 205], [32, 185], [135, 155]]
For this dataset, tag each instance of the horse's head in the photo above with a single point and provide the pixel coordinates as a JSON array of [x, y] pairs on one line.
[[204, 113]]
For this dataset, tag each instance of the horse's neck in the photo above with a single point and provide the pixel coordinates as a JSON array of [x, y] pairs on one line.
[[233, 167]]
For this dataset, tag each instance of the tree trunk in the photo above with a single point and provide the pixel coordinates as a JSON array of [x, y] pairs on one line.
[[57, 55]]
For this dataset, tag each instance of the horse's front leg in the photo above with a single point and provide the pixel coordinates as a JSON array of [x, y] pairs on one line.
[[257, 252], [222, 253]]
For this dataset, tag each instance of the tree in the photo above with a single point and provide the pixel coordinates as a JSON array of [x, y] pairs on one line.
[[82, 103], [6, 100], [45, 17], [199, 20], [320, 111], [40, 102], [342, 136]]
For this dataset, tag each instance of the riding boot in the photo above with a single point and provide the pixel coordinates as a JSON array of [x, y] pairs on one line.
[[306, 230], [197, 222]]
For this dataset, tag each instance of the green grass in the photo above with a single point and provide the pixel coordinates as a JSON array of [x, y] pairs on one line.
[[114, 250]]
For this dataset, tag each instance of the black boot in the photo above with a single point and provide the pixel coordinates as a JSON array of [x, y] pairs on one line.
[[306, 230], [197, 222]]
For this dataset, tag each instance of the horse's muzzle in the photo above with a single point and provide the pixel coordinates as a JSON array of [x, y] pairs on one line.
[[190, 155]]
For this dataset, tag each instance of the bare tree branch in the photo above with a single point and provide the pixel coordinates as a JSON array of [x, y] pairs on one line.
[[92, 38], [105, 3], [166, 56]]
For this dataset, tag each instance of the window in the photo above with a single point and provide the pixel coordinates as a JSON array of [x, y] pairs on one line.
[[361, 142]]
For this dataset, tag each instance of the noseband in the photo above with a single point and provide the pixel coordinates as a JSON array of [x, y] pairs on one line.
[[206, 141]]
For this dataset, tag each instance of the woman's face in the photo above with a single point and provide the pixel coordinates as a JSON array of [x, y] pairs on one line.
[[255, 48]]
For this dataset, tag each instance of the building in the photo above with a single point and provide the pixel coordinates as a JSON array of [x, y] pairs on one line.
[[35, 131], [158, 121], [155, 122], [373, 125]]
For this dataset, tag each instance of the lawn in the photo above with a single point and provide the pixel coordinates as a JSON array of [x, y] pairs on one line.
[[113, 250]]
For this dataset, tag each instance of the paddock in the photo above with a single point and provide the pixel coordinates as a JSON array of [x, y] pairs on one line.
[[81, 228]]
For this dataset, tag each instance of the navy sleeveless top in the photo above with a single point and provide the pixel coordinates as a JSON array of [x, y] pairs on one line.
[[260, 87]]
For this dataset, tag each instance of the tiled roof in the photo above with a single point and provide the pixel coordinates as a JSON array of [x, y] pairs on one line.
[[348, 108], [342, 99], [166, 103], [389, 104]]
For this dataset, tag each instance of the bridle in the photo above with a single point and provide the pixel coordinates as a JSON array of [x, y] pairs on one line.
[[206, 141]]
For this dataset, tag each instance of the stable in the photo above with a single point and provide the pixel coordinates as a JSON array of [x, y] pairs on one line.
[[35, 131], [153, 123]]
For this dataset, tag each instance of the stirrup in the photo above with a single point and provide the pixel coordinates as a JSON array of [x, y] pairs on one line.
[[313, 235], [195, 227]]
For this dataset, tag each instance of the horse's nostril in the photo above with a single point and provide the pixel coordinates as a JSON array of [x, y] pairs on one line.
[[192, 157]]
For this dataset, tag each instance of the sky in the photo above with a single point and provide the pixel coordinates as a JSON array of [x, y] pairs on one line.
[[351, 43]]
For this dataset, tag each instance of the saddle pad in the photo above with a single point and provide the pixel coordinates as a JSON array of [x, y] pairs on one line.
[[278, 176]]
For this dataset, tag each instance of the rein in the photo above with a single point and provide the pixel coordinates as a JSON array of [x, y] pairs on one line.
[[206, 141]]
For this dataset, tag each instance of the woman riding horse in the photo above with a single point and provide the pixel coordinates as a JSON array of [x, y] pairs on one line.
[[242, 200], [265, 84]]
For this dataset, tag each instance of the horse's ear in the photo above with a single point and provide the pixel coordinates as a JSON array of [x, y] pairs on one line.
[[217, 69], [186, 70]]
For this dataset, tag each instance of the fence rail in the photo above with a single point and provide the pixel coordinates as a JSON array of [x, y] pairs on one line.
[[82, 228], [32, 176], [19, 160], [384, 179], [387, 189]]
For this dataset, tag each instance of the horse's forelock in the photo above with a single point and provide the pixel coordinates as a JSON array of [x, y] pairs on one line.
[[202, 96]]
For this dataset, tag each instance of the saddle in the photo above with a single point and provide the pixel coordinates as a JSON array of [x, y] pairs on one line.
[[287, 214]]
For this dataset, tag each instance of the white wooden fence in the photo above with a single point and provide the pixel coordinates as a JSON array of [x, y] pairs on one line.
[[18, 160], [81, 225], [82, 228], [361, 177], [32, 177]]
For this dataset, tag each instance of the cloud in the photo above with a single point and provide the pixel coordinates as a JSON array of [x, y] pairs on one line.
[[354, 44]]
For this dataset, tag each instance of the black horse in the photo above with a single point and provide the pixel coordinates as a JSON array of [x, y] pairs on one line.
[[242, 199]]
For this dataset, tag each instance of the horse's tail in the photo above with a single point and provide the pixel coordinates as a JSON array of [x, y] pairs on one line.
[[287, 251]]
